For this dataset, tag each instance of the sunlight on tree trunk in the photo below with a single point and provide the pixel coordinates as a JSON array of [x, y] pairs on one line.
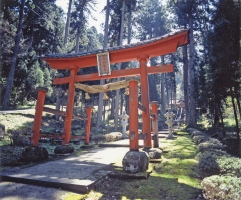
[[8, 91], [192, 105], [67, 26], [119, 67], [101, 94]]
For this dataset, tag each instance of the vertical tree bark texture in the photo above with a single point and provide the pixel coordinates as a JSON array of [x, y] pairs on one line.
[[163, 102], [58, 100], [67, 26], [167, 92], [119, 66], [192, 106], [237, 95], [185, 81], [235, 113], [77, 41], [101, 94], [9, 86]]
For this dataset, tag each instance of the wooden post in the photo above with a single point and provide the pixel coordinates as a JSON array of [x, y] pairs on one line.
[[38, 115], [145, 101], [154, 105], [87, 125], [70, 105], [133, 115]]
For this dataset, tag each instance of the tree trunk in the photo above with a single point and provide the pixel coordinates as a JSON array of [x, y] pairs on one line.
[[77, 41], [192, 104], [9, 86], [128, 41], [222, 123], [163, 102], [237, 95], [119, 67], [58, 100], [167, 92], [235, 113], [112, 110], [129, 27], [101, 94], [185, 81], [67, 26]]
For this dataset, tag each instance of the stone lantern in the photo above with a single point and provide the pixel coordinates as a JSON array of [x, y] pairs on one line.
[[169, 115], [124, 123]]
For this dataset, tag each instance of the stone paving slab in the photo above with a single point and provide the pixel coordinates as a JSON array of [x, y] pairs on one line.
[[120, 143], [75, 173]]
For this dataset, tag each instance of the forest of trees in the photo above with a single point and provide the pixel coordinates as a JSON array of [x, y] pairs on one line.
[[207, 70]]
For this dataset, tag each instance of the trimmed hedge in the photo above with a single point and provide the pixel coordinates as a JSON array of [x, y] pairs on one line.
[[207, 162], [222, 187], [210, 145], [229, 166], [219, 162], [213, 162], [200, 138]]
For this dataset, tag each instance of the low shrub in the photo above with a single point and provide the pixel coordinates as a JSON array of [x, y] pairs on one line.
[[218, 162], [222, 187], [197, 133], [212, 143], [200, 138], [214, 152], [191, 130], [229, 166], [207, 163]]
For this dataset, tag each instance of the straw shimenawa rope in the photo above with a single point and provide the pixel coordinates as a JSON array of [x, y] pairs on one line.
[[102, 88]]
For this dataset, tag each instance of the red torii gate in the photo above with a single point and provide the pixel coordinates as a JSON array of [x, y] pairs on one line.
[[141, 52]]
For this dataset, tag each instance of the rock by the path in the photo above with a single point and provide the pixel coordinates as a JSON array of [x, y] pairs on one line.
[[15, 155], [63, 149], [154, 153], [135, 161], [10, 155], [21, 140], [33, 154]]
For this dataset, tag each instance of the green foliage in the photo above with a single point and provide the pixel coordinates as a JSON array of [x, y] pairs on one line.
[[36, 76], [197, 133], [230, 166], [207, 162], [200, 138], [212, 152], [211, 144], [214, 161], [221, 187]]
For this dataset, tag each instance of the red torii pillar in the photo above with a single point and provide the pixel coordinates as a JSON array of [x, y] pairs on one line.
[[146, 125], [38, 115], [87, 125], [133, 115], [70, 105]]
